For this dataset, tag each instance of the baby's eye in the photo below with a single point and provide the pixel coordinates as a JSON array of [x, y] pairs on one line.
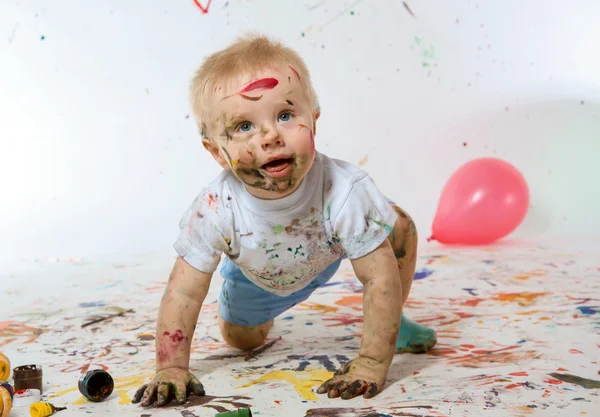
[[245, 127], [285, 116]]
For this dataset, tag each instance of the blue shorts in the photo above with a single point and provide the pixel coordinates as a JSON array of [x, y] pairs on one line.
[[245, 303]]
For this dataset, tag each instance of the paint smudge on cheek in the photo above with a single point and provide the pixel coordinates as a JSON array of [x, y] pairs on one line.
[[312, 136], [265, 83]]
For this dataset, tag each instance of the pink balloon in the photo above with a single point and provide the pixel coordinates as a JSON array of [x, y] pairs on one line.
[[484, 200]]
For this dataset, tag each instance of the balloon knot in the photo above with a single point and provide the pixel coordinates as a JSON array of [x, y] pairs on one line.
[[430, 238]]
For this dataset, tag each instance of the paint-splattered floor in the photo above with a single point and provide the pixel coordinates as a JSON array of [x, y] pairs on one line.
[[509, 319]]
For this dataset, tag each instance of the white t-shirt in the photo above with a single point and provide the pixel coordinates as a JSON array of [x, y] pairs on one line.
[[282, 245]]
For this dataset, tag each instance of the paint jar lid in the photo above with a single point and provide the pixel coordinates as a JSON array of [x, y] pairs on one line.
[[27, 372], [96, 385]]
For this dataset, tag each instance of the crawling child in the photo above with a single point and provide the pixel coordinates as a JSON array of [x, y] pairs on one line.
[[285, 216]]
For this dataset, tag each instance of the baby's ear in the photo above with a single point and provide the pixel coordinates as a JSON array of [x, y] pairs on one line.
[[211, 147], [316, 115]]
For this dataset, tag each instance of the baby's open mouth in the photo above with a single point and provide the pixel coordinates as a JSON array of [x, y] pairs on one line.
[[277, 165]]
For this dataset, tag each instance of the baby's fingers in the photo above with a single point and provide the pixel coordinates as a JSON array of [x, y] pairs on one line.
[[149, 395], [372, 390], [337, 389], [163, 394], [196, 386], [355, 389], [325, 386], [180, 392], [138, 394]]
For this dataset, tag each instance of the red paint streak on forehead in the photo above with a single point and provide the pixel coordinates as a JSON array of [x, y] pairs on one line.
[[267, 83], [295, 72]]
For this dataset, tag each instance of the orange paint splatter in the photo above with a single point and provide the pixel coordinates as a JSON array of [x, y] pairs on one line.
[[575, 352], [511, 386], [562, 369], [522, 298], [522, 373], [350, 300], [553, 381]]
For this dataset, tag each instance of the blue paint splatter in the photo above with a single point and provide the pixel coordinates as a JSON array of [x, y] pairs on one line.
[[93, 304], [288, 318], [309, 324], [422, 274], [470, 291], [520, 342], [589, 310]]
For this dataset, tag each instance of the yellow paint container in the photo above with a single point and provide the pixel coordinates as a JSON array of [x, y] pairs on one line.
[[42, 409], [5, 401], [4, 368]]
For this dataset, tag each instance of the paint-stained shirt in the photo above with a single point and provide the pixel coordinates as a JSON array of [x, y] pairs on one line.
[[282, 245]]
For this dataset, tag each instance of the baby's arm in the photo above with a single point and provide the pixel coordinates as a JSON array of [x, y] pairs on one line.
[[382, 305], [177, 317]]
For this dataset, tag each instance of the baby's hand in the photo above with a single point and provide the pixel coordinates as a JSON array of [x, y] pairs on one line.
[[362, 375], [166, 384]]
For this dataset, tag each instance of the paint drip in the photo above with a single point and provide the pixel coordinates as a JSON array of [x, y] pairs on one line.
[[239, 412], [96, 385]]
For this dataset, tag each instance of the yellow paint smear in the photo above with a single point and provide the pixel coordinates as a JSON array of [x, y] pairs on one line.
[[303, 381], [122, 387], [527, 275], [319, 307]]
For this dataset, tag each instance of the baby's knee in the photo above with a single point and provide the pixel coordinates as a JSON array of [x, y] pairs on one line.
[[244, 337]]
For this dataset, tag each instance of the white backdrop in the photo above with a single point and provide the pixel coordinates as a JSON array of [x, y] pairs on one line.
[[98, 155]]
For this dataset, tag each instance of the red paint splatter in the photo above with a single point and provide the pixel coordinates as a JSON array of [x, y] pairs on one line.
[[265, 83], [522, 373], [277, 402], [562, 369], [203, 9], [177, 337], [552, 381], [416, 373], [511, 386], [464, 144], [546, 394], [575, 351], [468, 346], [210, 199], [166, 333], [473, 302], [403, 389], [295, 72]]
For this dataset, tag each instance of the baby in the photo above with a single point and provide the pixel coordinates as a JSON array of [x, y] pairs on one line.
[[285, 216]]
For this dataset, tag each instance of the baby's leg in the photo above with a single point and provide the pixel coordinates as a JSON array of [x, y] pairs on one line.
[[244, 337], [412, 337]]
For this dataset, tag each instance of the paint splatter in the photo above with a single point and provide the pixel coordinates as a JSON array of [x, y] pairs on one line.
[[295, 72], [589, 310], [408, 9], [262, 84], [245, 97], [363, 161], [422, 274], [203, 9]]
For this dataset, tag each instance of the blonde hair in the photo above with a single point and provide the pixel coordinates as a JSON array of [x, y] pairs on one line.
[[248, 54]]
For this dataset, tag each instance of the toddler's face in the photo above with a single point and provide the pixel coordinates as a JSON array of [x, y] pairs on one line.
[[263, 131]]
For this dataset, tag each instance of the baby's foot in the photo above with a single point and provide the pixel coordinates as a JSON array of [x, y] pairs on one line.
[[414, 338]]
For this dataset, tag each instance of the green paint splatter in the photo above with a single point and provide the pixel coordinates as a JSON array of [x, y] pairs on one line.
[[387, 227], [274, 256], [418, 40], [269, 251], [298, 250], [42, 37], [328, 212], [278, 228], [290, 250], [425, 64], [577, 380]]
